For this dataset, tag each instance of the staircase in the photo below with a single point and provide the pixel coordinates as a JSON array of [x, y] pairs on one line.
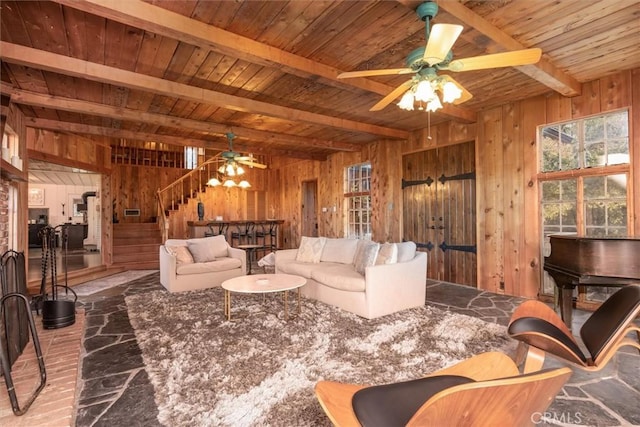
[[136, 246]]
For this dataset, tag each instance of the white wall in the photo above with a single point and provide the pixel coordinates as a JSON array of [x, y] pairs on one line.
[[56, 195]]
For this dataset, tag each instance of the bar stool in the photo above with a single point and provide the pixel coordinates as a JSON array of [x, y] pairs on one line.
[[245, 234], [270, 230], [216, 229]]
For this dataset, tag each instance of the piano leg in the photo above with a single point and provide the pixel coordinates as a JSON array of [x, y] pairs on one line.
[[566, 304]]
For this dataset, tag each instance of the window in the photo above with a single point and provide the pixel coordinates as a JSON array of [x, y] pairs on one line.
[[191, 157], [585, 168], [357, 187], [595, 141]]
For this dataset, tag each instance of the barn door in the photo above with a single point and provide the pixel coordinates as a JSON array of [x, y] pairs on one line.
[[439, 199]]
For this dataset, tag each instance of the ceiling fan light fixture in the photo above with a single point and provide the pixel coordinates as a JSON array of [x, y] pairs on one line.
[[229, 183], [244, 184], [239, 170], [424, 91], [229, 170], [451, 92], [406, 103], [214, 182], [434, 104]]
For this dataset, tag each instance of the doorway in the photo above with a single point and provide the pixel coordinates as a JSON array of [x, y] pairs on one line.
[[309, 211], [439, 201]]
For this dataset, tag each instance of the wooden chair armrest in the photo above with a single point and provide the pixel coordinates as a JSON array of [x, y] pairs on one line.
[[485, 366], [335, 399]]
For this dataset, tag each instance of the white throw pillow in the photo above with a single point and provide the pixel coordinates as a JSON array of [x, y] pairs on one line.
[[218, 244], [182, 254], [406, 251], [366, 256], [388, 254], [202, 251], [339, 250], [310, 249]]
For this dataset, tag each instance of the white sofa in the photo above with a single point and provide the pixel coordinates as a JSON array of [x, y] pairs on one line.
[[187, 265], [390, 282]]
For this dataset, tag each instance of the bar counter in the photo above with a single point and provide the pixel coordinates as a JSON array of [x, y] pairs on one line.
[[270, 227]]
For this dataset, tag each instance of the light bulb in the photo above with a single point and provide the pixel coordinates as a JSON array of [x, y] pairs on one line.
[[450, 92], [406, 103]]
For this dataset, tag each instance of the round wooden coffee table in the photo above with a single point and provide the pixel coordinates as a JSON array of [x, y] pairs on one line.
[[263, 284]]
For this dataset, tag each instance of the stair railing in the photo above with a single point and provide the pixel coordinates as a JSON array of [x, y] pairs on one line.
[[183, 188]]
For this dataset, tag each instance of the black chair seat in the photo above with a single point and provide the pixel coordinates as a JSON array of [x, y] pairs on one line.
[[391, 405]]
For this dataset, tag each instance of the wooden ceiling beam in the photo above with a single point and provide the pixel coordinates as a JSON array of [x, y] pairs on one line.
[[160, 21], [119, 113], [65, 65], [499, 41], [80, 128]]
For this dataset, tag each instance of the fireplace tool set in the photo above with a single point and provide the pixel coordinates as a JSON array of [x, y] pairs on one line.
[[16, 318], [57, 310]]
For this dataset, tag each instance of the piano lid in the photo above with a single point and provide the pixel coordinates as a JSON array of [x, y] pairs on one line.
[[595, 256]]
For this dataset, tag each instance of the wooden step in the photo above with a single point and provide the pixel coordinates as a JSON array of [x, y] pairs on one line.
[[76, 277], [139, 265], [137, 240], [128, 255]]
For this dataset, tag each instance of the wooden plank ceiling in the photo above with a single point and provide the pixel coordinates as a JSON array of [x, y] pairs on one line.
[[187, 72]]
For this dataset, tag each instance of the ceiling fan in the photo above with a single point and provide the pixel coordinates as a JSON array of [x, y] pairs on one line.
[[424, 63], [233, 157]]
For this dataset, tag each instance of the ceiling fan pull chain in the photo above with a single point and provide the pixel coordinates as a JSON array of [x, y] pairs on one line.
[[429, 124]]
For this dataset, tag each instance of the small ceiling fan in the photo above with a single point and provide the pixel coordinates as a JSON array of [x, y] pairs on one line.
[[424, 63], [231, 156]]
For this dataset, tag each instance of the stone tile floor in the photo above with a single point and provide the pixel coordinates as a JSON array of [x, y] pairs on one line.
[[115, 389]]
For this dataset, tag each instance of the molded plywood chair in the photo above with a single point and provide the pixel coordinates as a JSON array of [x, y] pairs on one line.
[[483, 390], [535, 324]]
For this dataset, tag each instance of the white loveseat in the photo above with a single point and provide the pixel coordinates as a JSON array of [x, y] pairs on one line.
[[186, 265], [394, 278]]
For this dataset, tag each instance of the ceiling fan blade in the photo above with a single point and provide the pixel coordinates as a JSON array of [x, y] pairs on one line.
[[366, 73], [497, 60], [252, 164], [392, 96], [441, 40], [466, 95]]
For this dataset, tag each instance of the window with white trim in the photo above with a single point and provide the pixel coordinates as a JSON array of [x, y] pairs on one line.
[[191, 157], [584, 175], [357, 188]]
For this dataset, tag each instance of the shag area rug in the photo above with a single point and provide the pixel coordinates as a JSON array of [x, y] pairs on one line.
[[260, 370]]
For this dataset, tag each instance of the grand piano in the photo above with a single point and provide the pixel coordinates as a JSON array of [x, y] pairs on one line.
[[591, 261]]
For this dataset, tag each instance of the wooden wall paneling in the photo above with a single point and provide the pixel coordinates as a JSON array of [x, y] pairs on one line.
[[588, 102], [386, 191], [532, 113], [489, 160], [16, 120], [615, 91], [557, 107], [514, 218]]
